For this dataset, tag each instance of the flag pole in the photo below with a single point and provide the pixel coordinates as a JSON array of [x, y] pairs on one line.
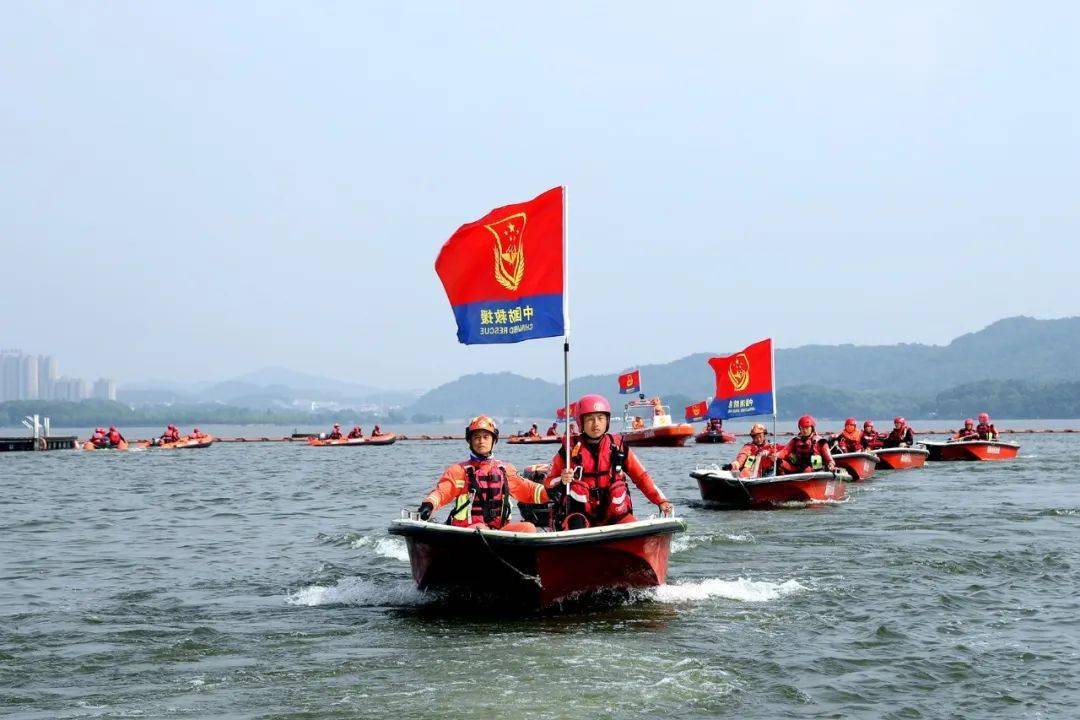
[[772, 366], [566, 330]]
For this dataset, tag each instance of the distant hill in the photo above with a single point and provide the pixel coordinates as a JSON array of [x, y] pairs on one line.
[[876, 380], [269, 388]]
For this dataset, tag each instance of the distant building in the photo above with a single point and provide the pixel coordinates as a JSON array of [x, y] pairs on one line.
[[46, 377], [28, 375], [70, 389], [105, 389], [9, 374]]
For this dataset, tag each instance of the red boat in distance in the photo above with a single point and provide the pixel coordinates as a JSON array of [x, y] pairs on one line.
[[658, 431], [724, 489], [860, 465], [538, 570], [387, 439], [901, 458], [707, 436], [535, 440], [973, 450]]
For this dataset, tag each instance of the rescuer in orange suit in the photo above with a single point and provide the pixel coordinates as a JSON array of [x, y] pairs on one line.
[[985, 428], [335, 434], [745, 461], [595, 482], [481, 486], [871, 438], [553, 431], [806, 452], [356, 433], [638, 423], [851, 439], [968, 432]]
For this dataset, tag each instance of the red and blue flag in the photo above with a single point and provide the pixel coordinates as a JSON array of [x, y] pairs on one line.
[[744, 383], [503, 273], [697, 412], [630, 383], [560, 412]]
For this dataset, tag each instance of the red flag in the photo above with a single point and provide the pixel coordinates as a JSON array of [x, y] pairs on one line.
[[630, 383], [744, 382], [503, 274], [697, 412], [560, 412]]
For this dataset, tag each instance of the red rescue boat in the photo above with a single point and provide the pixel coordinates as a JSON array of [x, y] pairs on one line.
[[663, 436], [184, 443], [901, 458], [860, 465], [538, 569], [387, 439], [724, 488], [973, 450], [661, 432], [535, 440], [707, 436]]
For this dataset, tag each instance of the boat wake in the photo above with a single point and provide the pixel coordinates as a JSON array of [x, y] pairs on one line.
[[359, 592], [386, 547], [683, 543], [742, 589]]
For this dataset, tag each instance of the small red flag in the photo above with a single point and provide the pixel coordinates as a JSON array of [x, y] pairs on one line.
[[630, 383]]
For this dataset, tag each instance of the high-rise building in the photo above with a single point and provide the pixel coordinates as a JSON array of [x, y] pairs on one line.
[[9, 374], [46, 377], [28, 378], [70, 389], [105, 389]]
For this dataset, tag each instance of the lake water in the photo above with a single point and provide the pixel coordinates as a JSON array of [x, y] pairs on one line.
[[258, 581]]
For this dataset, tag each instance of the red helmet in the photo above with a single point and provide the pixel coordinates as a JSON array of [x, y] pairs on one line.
[[337, 425], [868, 424], [850, 421], [900, 420], [481, 422], [111, 428], [984, 417], [807, 421], [590, 404], [969, 422]]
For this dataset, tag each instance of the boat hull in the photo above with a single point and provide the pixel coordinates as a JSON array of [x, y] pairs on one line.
[[978, 451], [861, 466], [542, 440], [714, 438], [538, 569], [90, 446], [723, 489], [901, 458], [185, 444], [664, 436], [388, 439]]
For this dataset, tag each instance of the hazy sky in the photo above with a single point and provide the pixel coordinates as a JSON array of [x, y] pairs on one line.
[[194, 190]]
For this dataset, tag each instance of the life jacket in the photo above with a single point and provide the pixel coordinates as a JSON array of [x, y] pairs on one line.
[[871, 440], [904, 435], [336, 435], [804, 454], [356, 433], [753, 451], [601, 486], [986, 432], [849, 443], [486, 498]]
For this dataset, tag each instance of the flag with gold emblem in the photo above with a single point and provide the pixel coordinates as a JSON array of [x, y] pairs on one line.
[[630, 382], [744, 382], [503, 274]]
